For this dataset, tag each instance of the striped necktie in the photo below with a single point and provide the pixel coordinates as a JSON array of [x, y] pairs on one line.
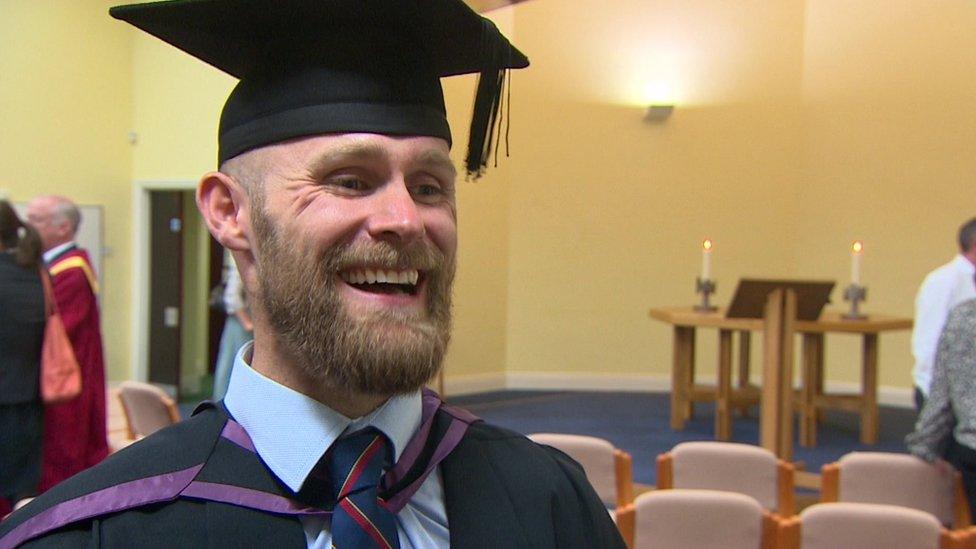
[[360, 519]]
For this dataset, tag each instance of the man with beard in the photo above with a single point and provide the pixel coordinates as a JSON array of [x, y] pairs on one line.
[[336, 197]]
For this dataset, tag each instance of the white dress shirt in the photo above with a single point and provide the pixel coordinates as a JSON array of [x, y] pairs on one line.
[[233, 289], [292, 431], [942, 289], [57, 250]]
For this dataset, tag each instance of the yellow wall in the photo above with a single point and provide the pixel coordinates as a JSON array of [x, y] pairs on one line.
[[608, 211], [889, 132], [799, 127], [177, 105], [65, 109]]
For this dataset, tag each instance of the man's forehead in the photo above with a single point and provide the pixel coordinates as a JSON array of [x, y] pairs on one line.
[[364, 145], [39, 206]]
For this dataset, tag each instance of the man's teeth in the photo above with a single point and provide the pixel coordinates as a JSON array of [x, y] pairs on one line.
[[373, 276]]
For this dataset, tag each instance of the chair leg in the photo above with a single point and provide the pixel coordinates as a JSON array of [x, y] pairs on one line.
[[625, 518]]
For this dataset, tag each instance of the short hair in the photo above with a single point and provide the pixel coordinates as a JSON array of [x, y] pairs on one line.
[[66, 209], [967, 235], [248, 169]]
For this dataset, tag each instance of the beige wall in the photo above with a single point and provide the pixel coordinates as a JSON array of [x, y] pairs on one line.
[[610, 211], [799, 127], [889, 129], [65, 111]]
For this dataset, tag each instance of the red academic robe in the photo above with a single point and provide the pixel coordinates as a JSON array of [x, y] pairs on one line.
[[75, 431]]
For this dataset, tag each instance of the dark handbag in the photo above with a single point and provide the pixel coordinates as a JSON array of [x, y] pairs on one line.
[[60, 373]]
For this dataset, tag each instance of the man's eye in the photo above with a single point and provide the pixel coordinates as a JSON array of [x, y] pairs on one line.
[[350, 183], [428, 190]]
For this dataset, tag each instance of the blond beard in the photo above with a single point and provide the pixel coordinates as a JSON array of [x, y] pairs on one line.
[[380, 352]]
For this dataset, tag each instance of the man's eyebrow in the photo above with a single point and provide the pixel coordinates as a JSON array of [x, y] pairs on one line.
[[430, 159], [437, 160], [347, 151]]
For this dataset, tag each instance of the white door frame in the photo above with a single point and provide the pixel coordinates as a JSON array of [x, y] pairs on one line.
[[141, 266]]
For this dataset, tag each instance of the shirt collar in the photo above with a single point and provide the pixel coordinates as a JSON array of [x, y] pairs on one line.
[[292, 431], [57, 250], [964, 264]]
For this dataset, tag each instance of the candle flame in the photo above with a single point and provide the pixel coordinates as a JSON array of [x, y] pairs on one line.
[[707, 244], [857, 247]]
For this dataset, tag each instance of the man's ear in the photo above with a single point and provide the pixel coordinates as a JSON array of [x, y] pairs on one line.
[[224, 205]]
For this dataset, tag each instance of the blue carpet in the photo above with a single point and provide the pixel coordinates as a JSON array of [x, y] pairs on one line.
[[640, 424]]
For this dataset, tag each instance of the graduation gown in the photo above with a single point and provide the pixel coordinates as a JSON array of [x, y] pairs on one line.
[[195, 484], [75, 431]]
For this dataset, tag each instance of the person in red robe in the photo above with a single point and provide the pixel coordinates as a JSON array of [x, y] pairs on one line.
[[74, 431]]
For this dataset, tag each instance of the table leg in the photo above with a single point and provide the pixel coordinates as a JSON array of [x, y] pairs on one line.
[[812, 371], [684, 346], [869, 389], [744, 358], [689, 408], [723, 387]]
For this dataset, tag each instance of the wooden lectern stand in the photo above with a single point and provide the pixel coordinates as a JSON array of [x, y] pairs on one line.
[[781, 303], [776, 407]]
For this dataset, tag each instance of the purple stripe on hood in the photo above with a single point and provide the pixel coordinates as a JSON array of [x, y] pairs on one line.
[[252, 499], [127, 495]]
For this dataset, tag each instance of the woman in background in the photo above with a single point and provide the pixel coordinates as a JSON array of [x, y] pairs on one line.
[[237, 327], [21, 334]]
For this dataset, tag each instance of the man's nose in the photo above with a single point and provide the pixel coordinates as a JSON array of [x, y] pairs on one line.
[[395, 215]]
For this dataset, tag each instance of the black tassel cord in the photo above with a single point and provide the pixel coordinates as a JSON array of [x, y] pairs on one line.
[[486, 118]]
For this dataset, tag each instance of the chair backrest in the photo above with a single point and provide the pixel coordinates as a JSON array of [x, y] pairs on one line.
[[895, 479], [861, 526], [147, 408], [703, 519], [607, 468], [733, 467]]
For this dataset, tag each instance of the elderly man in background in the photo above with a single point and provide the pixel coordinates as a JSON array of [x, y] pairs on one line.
[[74, 431], [942, 289]]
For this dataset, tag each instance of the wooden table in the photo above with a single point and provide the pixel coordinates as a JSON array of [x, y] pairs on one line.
[[812, 397], [684, 390], [778, 359]]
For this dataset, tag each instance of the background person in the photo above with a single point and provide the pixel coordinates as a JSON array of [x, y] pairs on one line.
[[237, 327], [21, 335], [942, 289], [74, 431], [945, 433]]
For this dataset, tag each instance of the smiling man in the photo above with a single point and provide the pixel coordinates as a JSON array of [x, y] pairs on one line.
[[336, 196]]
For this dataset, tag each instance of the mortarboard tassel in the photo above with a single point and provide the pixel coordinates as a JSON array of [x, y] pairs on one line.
[[487, 103]]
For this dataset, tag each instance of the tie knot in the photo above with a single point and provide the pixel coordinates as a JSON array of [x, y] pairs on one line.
[[356, 462]]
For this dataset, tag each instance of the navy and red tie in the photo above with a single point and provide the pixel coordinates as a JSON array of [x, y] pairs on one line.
[[354, 466]]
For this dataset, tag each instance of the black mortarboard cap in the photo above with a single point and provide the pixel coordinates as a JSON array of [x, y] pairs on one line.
[[309, 67]]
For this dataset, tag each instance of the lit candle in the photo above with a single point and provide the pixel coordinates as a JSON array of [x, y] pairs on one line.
[[706, 272], [856, 248]]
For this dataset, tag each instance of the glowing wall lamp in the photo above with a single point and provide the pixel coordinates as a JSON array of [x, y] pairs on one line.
[[658, 113]]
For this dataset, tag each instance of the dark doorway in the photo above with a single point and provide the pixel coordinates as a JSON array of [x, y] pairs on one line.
[[165, 288]]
